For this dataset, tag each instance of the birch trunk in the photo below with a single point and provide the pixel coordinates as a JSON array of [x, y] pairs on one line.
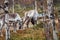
[[46, 25], [13, 6], [35, 5], [50, 11]]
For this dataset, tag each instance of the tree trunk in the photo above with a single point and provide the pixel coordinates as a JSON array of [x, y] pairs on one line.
[[46, 23], [13, 6], [35, 5], [50, 12]]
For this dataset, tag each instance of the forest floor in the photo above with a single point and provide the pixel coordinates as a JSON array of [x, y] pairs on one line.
[[34, 33], [27, 34]]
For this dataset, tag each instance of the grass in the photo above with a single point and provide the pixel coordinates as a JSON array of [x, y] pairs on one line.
[[35, 33], [28, 34]]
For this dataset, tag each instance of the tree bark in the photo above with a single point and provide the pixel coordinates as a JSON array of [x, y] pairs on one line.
[[50, 11]]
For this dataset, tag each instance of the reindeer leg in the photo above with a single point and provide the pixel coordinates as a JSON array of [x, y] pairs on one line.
[[35, 22], [28, 23], [7, 32], [17, 24], [20, 25], [14, 25], [1, 32]]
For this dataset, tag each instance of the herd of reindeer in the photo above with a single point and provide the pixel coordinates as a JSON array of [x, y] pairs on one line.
[[7, 19]]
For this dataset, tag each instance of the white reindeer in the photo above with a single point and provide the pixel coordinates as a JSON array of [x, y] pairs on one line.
[[30, 16], [7, 19], [13, 18]]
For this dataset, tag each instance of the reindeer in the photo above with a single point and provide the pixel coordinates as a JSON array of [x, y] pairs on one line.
[[11, 17], [2, 19], [30, 16], [14, 18], [7, 18]]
